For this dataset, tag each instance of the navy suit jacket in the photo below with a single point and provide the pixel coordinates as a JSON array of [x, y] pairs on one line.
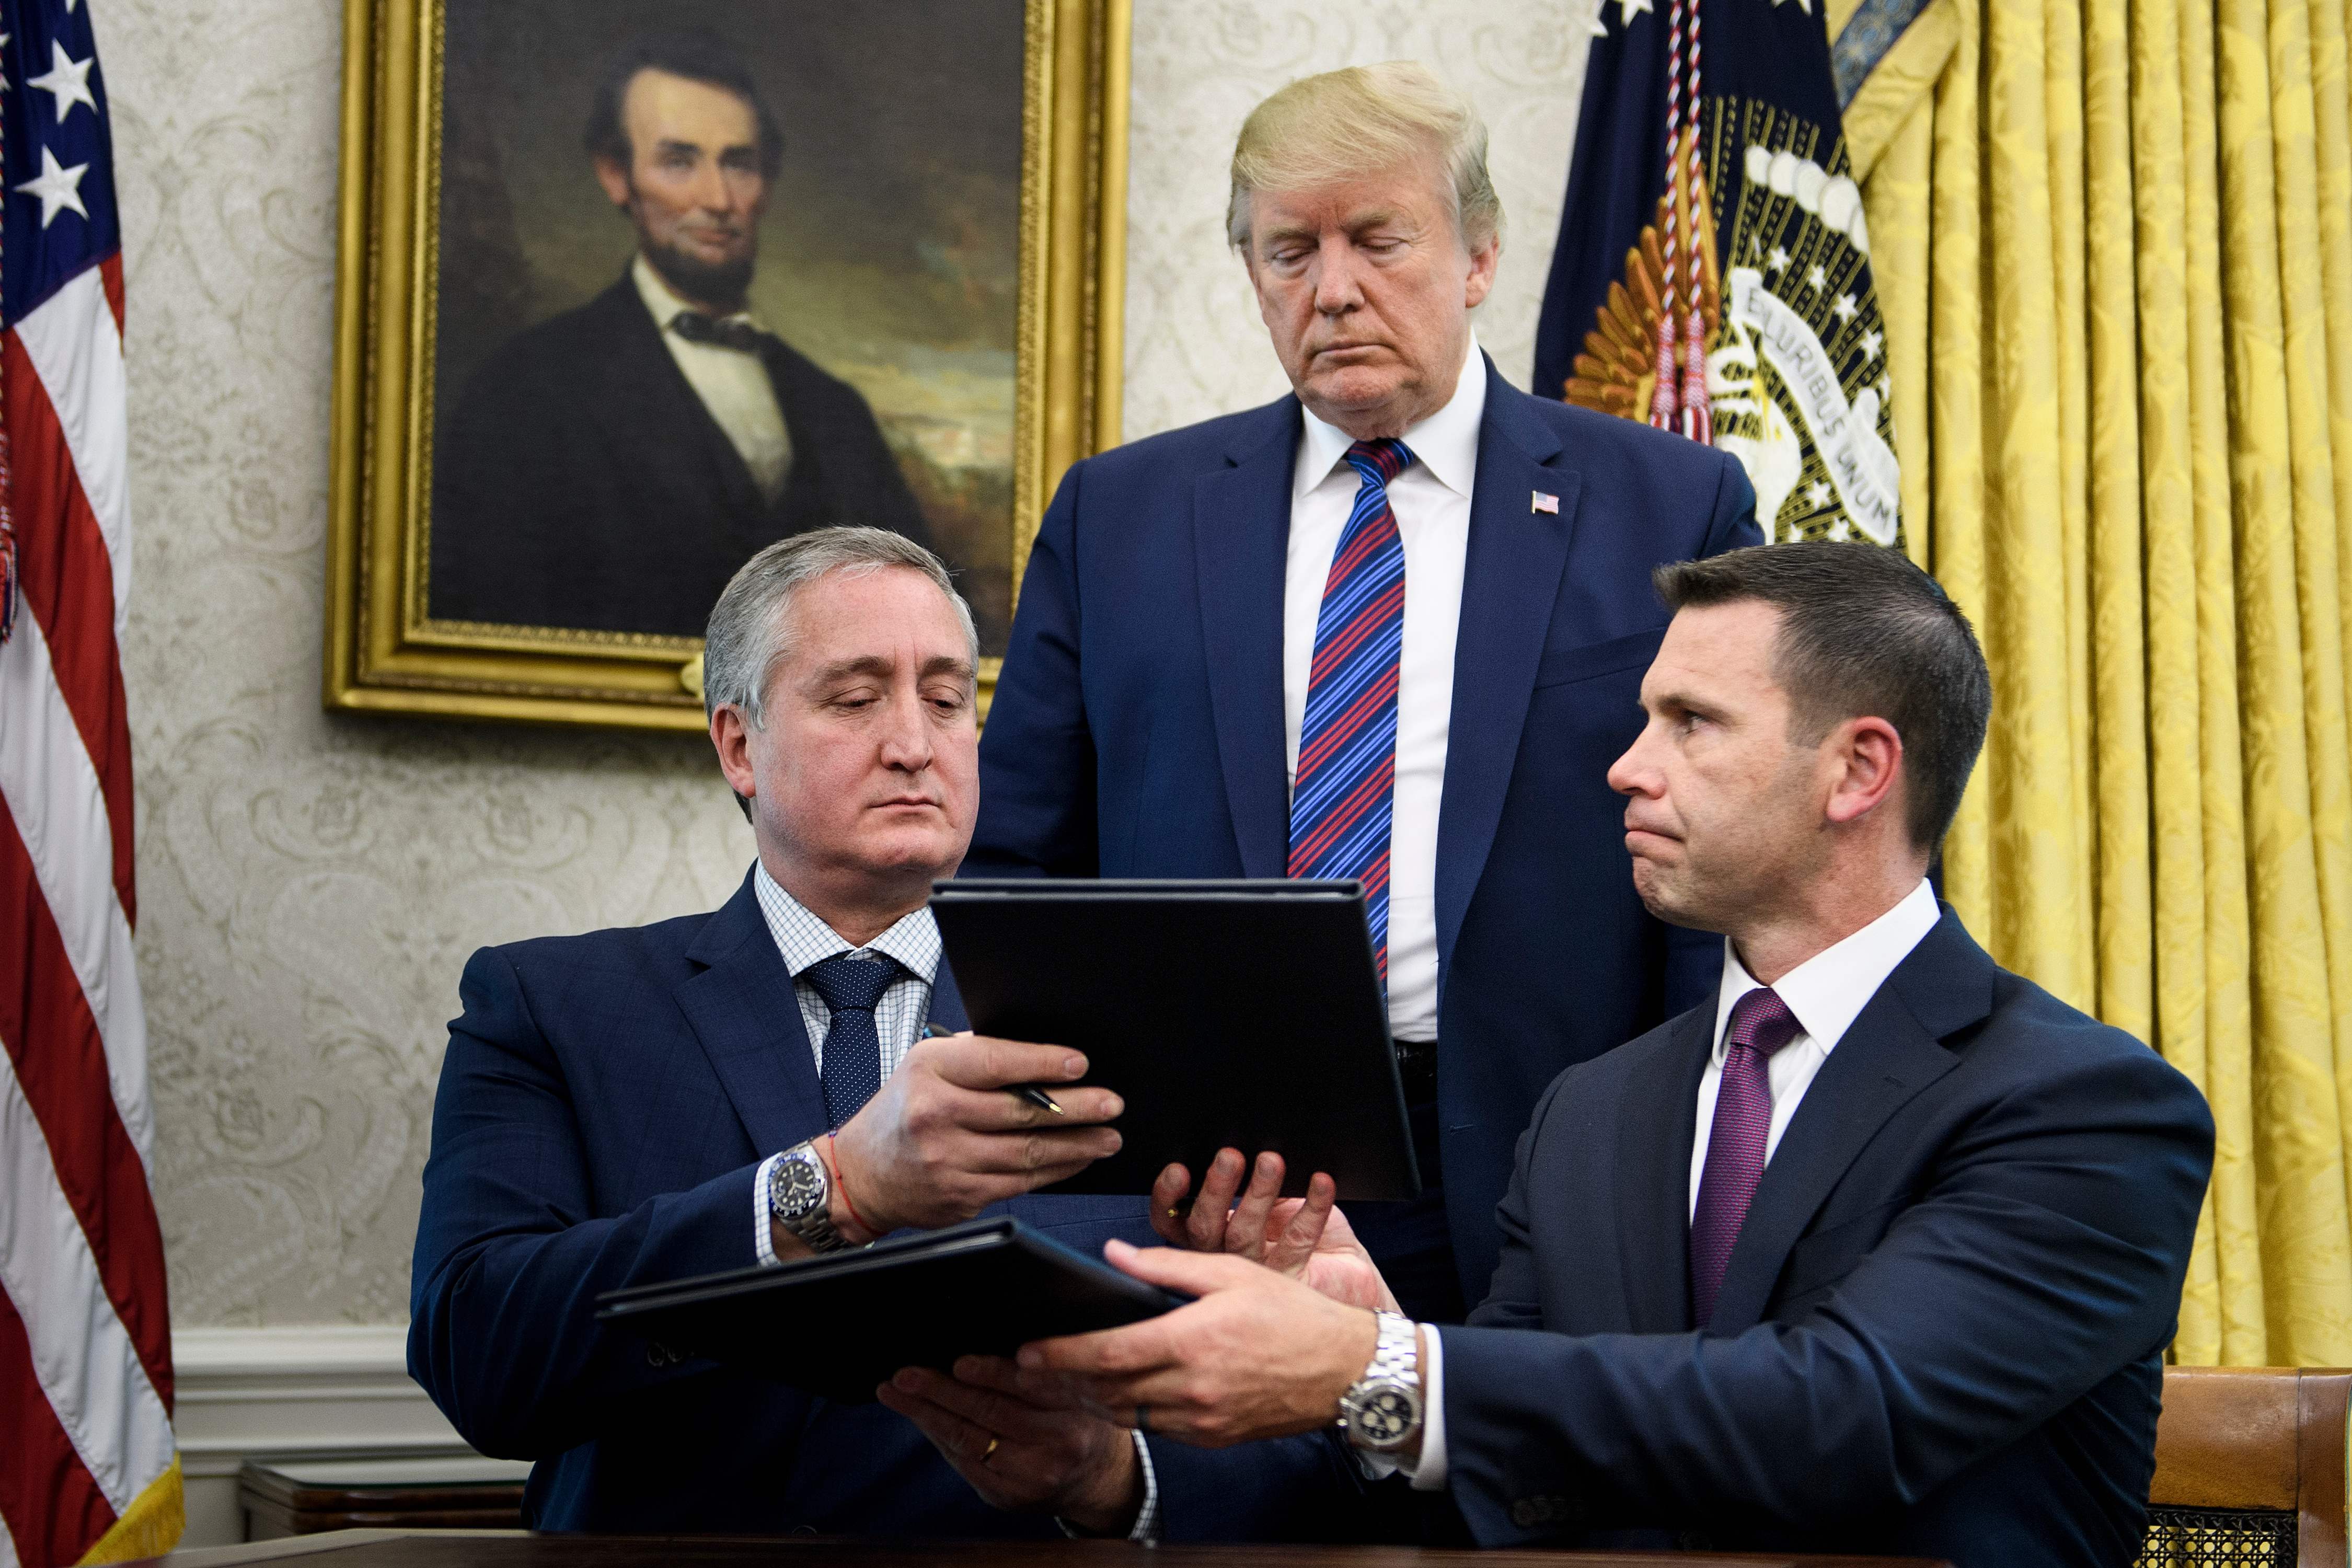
[[605, 1104], [1940, 1333], [1137, 730], [581, 481]]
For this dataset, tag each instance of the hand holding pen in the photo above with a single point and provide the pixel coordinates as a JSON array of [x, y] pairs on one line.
[[940, 1142], [1028, 1092]]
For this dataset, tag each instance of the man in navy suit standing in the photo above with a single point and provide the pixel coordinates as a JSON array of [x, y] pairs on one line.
[[1877, 1251], [755, 1084], [1387, 628]]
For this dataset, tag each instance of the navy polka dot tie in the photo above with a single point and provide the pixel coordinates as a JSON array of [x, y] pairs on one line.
[[852, 1046]]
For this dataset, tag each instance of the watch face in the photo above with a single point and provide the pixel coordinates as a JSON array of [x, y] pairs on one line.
[[796, 1188], [1386, 1415]]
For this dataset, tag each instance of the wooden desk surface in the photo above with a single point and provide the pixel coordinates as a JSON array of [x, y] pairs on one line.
[[516, 1549]]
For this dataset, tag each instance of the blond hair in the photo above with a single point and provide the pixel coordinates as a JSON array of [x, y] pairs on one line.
[[1363, 120]]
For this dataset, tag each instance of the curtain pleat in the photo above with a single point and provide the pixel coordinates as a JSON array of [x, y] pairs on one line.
[[2114, 252]]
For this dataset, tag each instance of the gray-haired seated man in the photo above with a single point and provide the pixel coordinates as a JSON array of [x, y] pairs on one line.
[[754, 1084]]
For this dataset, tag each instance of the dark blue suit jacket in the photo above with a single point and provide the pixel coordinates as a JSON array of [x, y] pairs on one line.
[[605, 1104], [1940, 1335], [1137, 729]]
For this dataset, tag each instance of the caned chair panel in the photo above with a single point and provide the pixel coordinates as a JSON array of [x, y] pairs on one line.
[[2250, 1469]]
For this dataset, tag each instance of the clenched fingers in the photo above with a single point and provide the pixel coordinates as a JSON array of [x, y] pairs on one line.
[[961, 1439]]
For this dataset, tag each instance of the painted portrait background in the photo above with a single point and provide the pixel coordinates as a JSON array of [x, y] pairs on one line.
[[888, 249]]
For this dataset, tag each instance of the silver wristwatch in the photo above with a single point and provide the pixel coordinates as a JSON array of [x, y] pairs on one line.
[[800, 1196], [1381, 1410]]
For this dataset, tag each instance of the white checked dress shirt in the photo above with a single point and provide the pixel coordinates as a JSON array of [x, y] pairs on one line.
[[1827, 992], [733, 386], [805, 941], [1431, 503]]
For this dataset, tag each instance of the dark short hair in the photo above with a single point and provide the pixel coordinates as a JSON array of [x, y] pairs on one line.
[[695, 55], [1863, 633]]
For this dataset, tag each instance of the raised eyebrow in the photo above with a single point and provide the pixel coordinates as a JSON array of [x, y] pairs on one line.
[[672, 145]]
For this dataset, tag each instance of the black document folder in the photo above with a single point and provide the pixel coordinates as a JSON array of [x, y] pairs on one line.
[[1241, 1014], [841, 1324]]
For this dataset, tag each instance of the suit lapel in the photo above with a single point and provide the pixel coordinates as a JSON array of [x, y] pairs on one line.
[[947, 1002], [1891, 1052], [648, 406], [1509, 584], [1653, 1175], [1241, 534], [742, 1010]]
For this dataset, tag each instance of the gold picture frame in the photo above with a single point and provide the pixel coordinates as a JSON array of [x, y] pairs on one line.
[[384, 654]]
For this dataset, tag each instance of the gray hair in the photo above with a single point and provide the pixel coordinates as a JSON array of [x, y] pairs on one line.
[[1344, 124], [749, 632]]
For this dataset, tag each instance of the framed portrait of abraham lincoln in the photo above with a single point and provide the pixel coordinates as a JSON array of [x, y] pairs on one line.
[[630, 288]]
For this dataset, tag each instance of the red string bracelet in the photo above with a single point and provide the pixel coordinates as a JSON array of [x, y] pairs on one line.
[[834, 1159]]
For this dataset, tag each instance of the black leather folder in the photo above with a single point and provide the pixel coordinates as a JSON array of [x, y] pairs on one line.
[[1246, 1014], [841, 1324]]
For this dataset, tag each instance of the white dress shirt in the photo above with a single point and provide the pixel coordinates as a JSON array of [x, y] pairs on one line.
[[1827, 992], [733, 386], [1431, 503]]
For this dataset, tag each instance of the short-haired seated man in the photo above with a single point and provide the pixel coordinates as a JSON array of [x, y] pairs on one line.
[[1878, 1250], [751, 1084]]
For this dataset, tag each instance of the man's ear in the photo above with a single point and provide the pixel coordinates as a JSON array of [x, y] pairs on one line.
[[732, 739], [1869, 757], [1483, 263], [614, 179]]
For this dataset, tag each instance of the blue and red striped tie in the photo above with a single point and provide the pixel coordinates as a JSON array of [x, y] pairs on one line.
[[1343, 795]]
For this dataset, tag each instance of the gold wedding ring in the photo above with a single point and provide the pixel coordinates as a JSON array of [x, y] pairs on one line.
[[990, 1452]]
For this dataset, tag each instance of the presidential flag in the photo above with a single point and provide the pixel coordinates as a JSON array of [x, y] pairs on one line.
[[1713, 271], [88, 1471]]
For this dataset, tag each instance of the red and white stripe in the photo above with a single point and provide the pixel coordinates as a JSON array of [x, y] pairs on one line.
[[85, 1342]]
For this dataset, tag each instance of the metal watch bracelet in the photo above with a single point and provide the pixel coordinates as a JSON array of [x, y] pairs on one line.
[[1381, 1411], [800, 1198]]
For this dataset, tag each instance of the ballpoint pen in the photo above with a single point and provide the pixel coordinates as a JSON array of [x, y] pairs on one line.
[[1024, 1091]]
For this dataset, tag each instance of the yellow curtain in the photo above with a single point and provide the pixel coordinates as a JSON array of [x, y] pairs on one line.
[[2113, 249]]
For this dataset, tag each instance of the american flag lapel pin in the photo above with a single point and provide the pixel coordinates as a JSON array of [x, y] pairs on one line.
[[1544, 501]]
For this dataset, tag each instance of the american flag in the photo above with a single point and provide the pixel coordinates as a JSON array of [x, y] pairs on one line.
[[88, 1468]]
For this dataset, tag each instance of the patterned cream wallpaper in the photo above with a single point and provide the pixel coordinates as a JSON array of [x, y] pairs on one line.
[[310, 887]]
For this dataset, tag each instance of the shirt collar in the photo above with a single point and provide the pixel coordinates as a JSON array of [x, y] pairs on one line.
[[805, 940], [1447, 442], [664, 302], [1829, 989]]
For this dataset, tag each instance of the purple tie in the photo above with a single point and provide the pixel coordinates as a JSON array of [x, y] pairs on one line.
[[1760, 1025]]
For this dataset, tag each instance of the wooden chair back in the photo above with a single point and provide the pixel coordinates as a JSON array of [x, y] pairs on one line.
[[2250, 1468]]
